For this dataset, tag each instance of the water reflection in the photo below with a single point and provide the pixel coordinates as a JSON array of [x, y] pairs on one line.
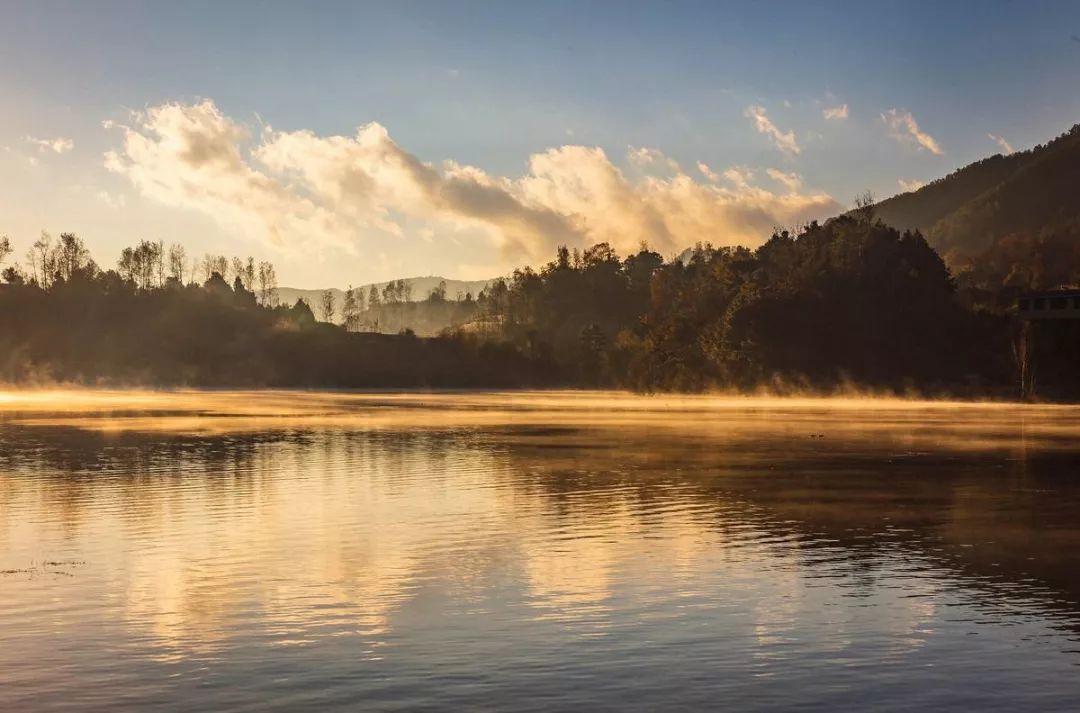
[[535, 552]]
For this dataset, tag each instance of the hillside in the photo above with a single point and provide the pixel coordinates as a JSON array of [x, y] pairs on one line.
[[421, 287], [1030, 197], [410, 311]]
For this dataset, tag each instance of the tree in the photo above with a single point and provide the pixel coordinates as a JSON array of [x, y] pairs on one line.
[[214, 263], [348, 309], [865, 206], [249, 274], [236, 269], [13, 275], [438, 293], [144, 265], [5, 248], [268, 296], [40, 257], [373, 299], [177, 262], [390, 292], [71, 257], [327, 304]]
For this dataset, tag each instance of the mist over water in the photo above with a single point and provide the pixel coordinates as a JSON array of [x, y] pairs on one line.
[[535, 551]]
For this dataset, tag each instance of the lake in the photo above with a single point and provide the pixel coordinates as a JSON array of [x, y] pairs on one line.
[[540, 551]]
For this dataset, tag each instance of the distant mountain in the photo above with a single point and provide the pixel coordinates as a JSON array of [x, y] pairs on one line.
[[426, 319], [1026, 194], [421, 288]]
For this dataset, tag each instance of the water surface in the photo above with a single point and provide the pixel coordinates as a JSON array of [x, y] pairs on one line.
[[530, 552]]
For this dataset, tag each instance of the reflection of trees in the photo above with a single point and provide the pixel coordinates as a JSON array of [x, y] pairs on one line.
[[339, 527], [997, 520]]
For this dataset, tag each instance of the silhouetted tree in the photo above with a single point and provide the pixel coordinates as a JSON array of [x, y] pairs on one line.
[[349, 309], [177, 262], [327, 304], [5, 248], [438, 293], [268, 296]]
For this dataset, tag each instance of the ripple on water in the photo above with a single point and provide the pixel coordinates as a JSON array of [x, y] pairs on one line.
[[536, 552]]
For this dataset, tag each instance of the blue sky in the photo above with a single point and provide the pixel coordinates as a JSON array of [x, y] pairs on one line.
[[488, 86]]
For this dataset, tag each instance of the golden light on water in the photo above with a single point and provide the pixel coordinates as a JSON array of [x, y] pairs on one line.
[[295, 523], [919, 423]]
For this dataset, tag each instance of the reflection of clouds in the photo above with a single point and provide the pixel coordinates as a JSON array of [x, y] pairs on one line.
[[569, 572], [338, 542]]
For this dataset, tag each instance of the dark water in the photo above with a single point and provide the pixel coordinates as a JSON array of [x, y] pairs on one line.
[[233, 552]]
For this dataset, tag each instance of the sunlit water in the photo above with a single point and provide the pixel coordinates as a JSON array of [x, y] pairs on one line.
[[534, 552]]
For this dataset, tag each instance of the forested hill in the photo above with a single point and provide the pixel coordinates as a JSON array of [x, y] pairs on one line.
[[1026, 196]]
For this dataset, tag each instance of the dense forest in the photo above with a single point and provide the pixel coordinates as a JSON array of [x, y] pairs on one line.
[[853, 302]]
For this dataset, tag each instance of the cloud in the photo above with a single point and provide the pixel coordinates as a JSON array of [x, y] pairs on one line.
[[707, 172], [645, 158], [1005, 145], [835, 113], [784, 141], [912, 185], [739, 176], [58, 145], [791, 181], [111, 200], [904, 128], [303, 191]]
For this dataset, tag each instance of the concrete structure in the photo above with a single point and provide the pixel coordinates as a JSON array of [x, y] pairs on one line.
[[1053, 304]]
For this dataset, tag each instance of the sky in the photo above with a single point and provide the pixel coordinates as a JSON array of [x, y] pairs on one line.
[[353, 142]]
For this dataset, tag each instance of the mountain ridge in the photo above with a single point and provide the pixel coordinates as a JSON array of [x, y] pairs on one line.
[[421, 286], [970, 211]]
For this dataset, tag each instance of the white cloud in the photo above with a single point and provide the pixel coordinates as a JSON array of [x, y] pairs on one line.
[[791, 181], [645, 158], [303, 191], [912, 185], [1005, 145], [835, 113], [58, 145], [903, 127], [785, 141], [739, 176], [707, 172]]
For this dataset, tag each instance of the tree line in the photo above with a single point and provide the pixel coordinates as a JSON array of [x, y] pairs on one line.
[[851, 302], [158, 318], [146, 265]]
